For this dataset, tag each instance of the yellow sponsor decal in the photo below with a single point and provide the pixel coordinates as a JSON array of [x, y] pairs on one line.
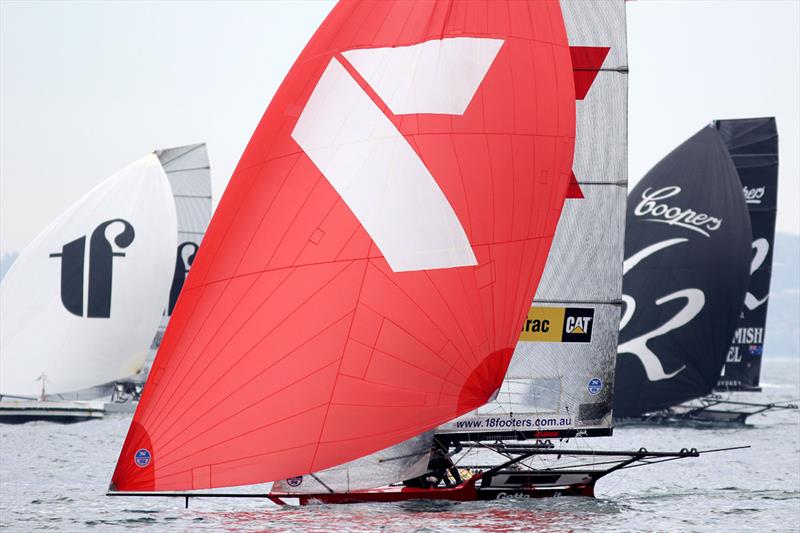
[[543, 324], [558, 324]]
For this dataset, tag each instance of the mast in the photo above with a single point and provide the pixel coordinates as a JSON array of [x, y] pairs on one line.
[[81, 302], [753, 146], [365, 275], [560, 380], [686, 271]]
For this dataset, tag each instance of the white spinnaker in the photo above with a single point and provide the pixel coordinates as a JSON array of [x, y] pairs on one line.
[[40, 336], [567, 386]]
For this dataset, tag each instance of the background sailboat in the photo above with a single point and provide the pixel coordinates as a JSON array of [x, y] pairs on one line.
[[189, 174], [753, 146], [687, 269], [80, 304]]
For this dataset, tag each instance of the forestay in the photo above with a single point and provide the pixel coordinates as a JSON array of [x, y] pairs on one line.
[[81, 303]]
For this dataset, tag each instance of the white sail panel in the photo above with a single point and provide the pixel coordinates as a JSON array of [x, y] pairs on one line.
[[79, 306], [406, 460]]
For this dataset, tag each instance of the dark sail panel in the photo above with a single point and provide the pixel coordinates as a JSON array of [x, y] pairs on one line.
[[686, 271], [753, 145]]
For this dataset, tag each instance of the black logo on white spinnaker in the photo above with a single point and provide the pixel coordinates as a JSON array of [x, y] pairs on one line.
[[101, 265]]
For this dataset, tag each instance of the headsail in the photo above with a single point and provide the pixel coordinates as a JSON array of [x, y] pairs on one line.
[[688, 254], [753, 145], [367, 270], [81, 303], [560, 380]]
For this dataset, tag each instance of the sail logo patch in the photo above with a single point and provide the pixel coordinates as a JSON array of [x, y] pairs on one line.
[[754, 195], [558, 324], [101, 261], [673, 215], [142, 457], [381, 178], [295, 481], [594, 386]]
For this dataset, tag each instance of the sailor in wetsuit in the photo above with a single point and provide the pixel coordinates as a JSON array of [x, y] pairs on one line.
[[440, 468]]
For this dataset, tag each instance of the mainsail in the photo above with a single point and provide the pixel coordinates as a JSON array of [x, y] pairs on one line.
[[753, 145], [688, 254], [81, 303], [369, 266], [560, 381], [189, 175]]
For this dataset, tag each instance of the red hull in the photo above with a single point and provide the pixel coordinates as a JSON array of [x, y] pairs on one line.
[[464, 492]]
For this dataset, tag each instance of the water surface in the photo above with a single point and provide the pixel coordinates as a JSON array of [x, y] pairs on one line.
[[54, 477]]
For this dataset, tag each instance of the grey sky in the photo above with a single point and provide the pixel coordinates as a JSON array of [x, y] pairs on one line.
[[86, 88]]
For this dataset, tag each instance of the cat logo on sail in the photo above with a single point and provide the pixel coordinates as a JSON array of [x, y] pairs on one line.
[[558, 324]]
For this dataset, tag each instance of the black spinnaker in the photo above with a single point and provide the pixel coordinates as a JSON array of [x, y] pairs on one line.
[[753, 146], [687, 267]]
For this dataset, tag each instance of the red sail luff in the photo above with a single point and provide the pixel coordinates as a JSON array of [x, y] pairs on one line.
[[294, 345]]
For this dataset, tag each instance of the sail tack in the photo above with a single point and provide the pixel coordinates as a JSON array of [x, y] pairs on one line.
[[687, 267], [753, 145], [81, 303], [328, 315]]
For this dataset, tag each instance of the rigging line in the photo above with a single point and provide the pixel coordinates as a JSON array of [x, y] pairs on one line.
[[173, 171], [465, 454], [615, 182], [586, 302], [324, 484], [642, 462]]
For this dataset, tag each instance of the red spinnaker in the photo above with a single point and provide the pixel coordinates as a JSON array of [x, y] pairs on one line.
[[300, 341]]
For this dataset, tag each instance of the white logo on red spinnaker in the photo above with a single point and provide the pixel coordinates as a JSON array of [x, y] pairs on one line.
[[368, 161]]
